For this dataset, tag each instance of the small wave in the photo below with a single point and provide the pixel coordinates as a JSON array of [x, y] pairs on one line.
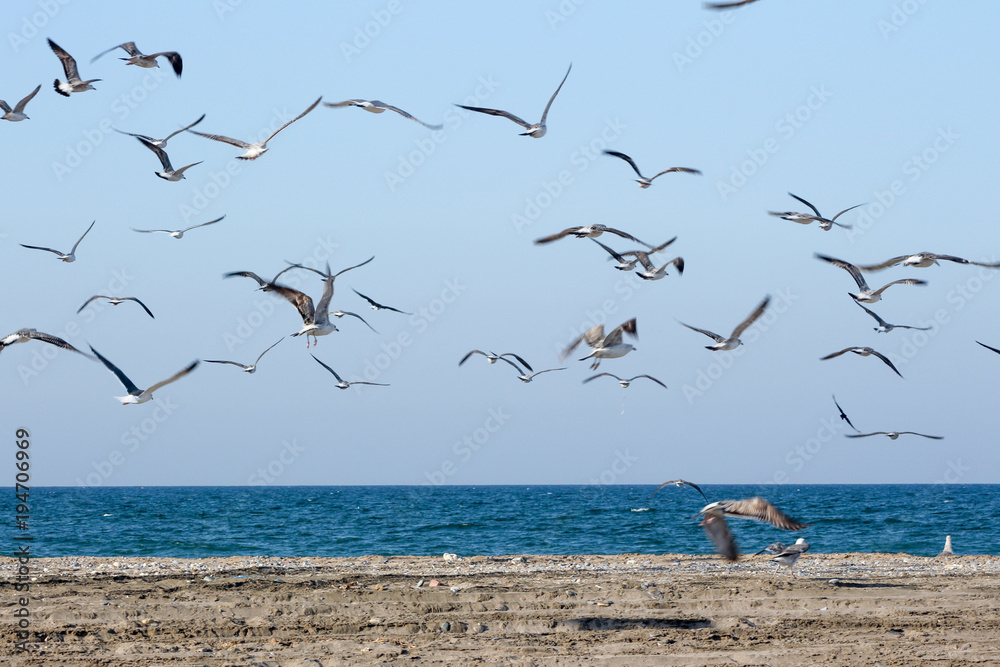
[[642, 509]]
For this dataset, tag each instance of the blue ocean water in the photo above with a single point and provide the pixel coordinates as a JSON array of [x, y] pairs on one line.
[[196, 522]]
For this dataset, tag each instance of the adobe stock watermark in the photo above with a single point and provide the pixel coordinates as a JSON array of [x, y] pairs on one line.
[[423, 148], [562, 12], [31, 24], [699, 43], [954, 472], [619, 467], [804, 452], [225, 7], [625, 288], [580, 159], [269, 473], [364, 35], [466, 447], [900, 15], [785, 128]]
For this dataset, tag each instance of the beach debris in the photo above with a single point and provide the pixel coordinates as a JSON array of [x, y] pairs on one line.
[[450, 557], [419, 584], [433, 582]]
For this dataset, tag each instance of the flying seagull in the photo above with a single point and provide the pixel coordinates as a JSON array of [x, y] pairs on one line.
[[248, 369], [679, 483], [843, 416], [538, 129], [378, 306], [493, 358], [265, 285], [989, 348], [605, 347], [161, 143], [524, 377], [340, 313], [885, 327], [642, 180], [136, 395], [804, 218], [256, 149], [790, 554], [168, 173], [179, 233], [756, 508], [17, 113], [375, 106], [625, 264], [923, 260], [344, 384], [66, 257], [892, 435], [72, 84], [625, 382], [315, 319], [24, 335], [733, 341], [650, 272], [867, 294], [136, 57], [863, 352], [588, 231], [114, 301]]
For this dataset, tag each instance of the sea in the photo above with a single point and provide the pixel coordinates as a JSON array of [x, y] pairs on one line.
[[342, 521]]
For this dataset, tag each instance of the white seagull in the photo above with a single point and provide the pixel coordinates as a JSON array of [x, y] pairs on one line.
[[733, 341], [375, 305], [589, 231], [790, 554], [642, 180], [625, 382], [24, 335], [168, 173], [340, 313], [605, 347], [867, 294], [681, 483], [923, 260], [114, 301], [885, 327], [375, 106], [344, 384], [256, 149], [493, 358], [524, 377], [161, 143], [863, 352], [136, 395], [17, 113], [66, 257], [72, 84], [315, 320], [625, 264], [756, 508], [536, 130], [137, 57], [247, 369], [804, 218], [650, 272], [179, 233], [892, 435]]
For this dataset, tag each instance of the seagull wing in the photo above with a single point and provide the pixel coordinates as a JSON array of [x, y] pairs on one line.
[[545, 113], [609, 250], [160, 153], [498, 112], [932, 437], [760, 509], [873, 314], [125, 46], [866, 435], [68, 63], [48, 338], [847, 266], [813, 208], [834, 218], [649, 377], [615, 337], [519, 359], [243, 274], [132, 298], [176, 62], [300, 300], [322, 315], [753, 318], [682, 482], [547, 370], [572, 346], [353, 267], [627, 159], [225, 140], [204, 224], [727, 5], [410, 116], [624, 235], [556, 236], [883, 265], [837, 354], [266, 351], [989, 348], [38, 247], [176, 376], [379, 305], [175, 133], [718, 531], [220, 361], [716, 337], [326, 367], [683, 170], [73, 251], [19, 108], [129, 385], [311, 107], [610, 375], [901, 281], [345, 312], [469, 354], [887, 362], [87, 302]]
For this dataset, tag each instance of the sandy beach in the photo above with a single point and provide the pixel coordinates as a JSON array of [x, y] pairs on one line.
[[633, 609]]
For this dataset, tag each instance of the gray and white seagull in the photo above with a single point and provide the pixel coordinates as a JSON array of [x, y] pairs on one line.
[[867, 294], [246, 369], [168, 173], [179, 233], [136, 395], [605, 347], [17, 113], [64, 256], [25, 335], [256, 149], [114, 301], [892, 435], [161, 143], [590, 231], [72, 84], [885, 327], [731, 343], [376, 106], [492, 357], [642, 180], [863, 352], [625, 382], [756, 508], [137, 57], [536, 130], [342, 383], [804, 218], [626, 264], [923, 260]]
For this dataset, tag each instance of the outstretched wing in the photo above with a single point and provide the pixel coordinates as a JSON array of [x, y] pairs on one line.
[[311, 107]]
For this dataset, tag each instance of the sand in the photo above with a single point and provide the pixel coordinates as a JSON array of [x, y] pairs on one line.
[[843, 609]]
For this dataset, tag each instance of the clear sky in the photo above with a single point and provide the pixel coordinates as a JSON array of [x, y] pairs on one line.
[[887, 103]]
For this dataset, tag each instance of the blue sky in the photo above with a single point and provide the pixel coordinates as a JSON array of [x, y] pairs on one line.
[[886, 103]]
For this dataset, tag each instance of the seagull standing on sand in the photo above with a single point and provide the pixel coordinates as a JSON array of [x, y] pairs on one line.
[[625, 382], [790, 554], [605, 347], [536, 130], [885, 327], [642, 180], [161, 143], [114, 301], [892, 435], [863, 352], [733, 341], [923, 260], [375, 106], [247, 369], [589, 231], [179, 233], [136, 395], [804, 218], [867, 294], [344, 384], [17, 113], [66, 257], [72, 84], [256, 149], [24, 335], [168, 173], [137, 57]]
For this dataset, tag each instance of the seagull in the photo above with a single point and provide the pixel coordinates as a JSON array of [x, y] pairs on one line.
[[892, 435], [653, 273], [843, 415], [344, 384], [114, 301], [524, 377], [605, 347], [136, 57], [885, 327], [24, 335], [642, 180], [989, 348], [254, 150], [168, 173], [315, 320], [863, 352], [588, 231], [538, 129], [17, 113], [161, 143], [378, 306], [493, 358], [867, 294], [136, 395], [625, 264], [340, 313], [375, 106], [773, 548], [733, 341], [625, 382], [179, 233], [248, 369], [72, 84], [756, 508], [66, 257], [788, 555], [923, 260], [679, 483], [265, 286], [804, 218]]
